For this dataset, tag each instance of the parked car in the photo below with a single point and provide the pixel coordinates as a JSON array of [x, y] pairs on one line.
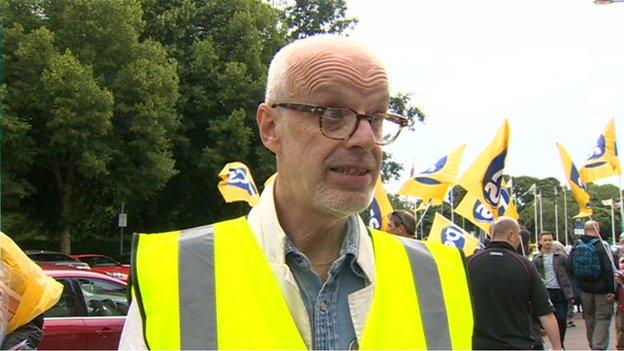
[[56, 258], [125, 258], [90, 313], [106, 265]]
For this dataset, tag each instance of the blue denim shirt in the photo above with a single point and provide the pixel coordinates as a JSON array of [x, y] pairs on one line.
[[326, 303]]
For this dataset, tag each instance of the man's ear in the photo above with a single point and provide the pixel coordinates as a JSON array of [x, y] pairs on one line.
[[267, 127]]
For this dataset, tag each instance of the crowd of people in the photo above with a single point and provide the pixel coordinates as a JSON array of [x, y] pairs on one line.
[[303, 271]]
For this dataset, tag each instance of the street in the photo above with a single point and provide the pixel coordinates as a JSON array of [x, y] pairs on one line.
[[576, 339]]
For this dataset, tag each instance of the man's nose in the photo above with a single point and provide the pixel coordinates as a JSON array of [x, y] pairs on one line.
[[364, 136]]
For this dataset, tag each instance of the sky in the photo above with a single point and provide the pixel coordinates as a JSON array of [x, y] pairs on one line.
[[554, 68]]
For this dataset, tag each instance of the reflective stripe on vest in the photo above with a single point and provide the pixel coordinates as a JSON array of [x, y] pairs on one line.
[[218, 291]]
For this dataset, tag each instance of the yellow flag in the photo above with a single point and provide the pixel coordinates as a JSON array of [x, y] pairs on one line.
[[237, 184], [485, 176], [473, 210], [434, 182], [446, 232], [604, 161], [380, 208], [576, 184], [508, 205], [270, 180]]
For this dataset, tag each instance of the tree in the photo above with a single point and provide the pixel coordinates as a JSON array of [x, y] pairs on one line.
[[83, 92], [304, 18]]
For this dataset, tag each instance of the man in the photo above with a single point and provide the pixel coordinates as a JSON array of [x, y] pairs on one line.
[[507, 289], [402, 223], [595, 275], [554, 269], [302, 270]]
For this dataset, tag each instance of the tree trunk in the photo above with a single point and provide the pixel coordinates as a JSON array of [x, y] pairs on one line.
[[65, 241]]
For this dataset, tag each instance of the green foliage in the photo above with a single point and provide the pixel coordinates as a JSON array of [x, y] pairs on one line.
[[92, 111], [304, 18]]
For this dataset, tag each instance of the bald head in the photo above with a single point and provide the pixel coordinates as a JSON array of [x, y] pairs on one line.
[[592, 228], [305, 66], [506, 229]]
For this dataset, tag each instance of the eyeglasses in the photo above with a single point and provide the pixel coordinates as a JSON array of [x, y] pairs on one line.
[[340, 123]]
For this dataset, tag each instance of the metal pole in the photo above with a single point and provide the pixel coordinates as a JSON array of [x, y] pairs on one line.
[[621, 205], [121, 233], [556, 215], [541, 213], [452, 205], [613, 221], [535, 213], [565, 215]]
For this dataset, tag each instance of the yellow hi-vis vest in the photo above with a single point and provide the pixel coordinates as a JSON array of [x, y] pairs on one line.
[[212, 287]]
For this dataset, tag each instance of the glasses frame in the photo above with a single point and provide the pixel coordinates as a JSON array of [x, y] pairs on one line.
[[319, 110]]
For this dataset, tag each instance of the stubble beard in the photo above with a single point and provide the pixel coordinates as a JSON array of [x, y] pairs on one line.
[[338, 202]]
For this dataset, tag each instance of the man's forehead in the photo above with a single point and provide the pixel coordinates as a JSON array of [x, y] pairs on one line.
[[320, 72]]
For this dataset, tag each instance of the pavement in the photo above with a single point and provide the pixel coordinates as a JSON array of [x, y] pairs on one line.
[[576, 339]]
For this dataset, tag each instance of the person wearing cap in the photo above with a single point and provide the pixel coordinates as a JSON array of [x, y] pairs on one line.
[[402, 223], [302, 270]]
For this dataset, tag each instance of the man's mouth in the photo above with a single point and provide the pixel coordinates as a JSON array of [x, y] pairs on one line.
[[355, 171]]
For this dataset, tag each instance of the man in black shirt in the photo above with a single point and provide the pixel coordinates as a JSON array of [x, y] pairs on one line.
[[505, 289]]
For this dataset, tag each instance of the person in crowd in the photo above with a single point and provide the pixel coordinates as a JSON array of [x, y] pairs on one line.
[[402, 223], [619, 313], [593, 268], [507, 288], [302, 270], [554, 269]]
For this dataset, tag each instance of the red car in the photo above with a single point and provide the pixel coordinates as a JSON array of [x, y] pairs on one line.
[[90, 313], [105, 265]]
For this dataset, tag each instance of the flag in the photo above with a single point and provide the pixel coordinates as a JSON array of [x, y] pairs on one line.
[[446, 232], [473, 210], [434, 182], [603, 161], [237, 184], [509, 208], [380, 208], [270, 180], [576, 184], [485, 176], [532, 190]]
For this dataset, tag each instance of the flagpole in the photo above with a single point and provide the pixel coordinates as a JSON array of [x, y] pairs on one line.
[[452, 205], [621, 204], [535, 213], [612, 222], [565, 214], [541, 213], [556, 215], [423, 215]]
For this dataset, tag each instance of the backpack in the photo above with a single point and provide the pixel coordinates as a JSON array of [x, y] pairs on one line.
[[585, 260]]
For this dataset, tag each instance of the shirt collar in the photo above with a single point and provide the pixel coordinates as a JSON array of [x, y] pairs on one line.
[[271, 236]]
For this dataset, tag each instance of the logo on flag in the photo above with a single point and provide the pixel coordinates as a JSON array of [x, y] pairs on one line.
[[452, 236], [603, 162], [493, 178], [446, 232], [482, 213], [237, 184]]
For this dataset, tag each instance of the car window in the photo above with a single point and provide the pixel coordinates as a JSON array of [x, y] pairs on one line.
[[66, 305], [104, 298], [91, 261], [50, 257], [106, 261]]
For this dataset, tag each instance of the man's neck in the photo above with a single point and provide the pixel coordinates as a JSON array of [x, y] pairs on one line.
[[317, 235], [547, 251]]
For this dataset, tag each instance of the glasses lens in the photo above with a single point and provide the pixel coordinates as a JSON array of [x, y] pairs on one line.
[[338, 122], [388, 131]]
